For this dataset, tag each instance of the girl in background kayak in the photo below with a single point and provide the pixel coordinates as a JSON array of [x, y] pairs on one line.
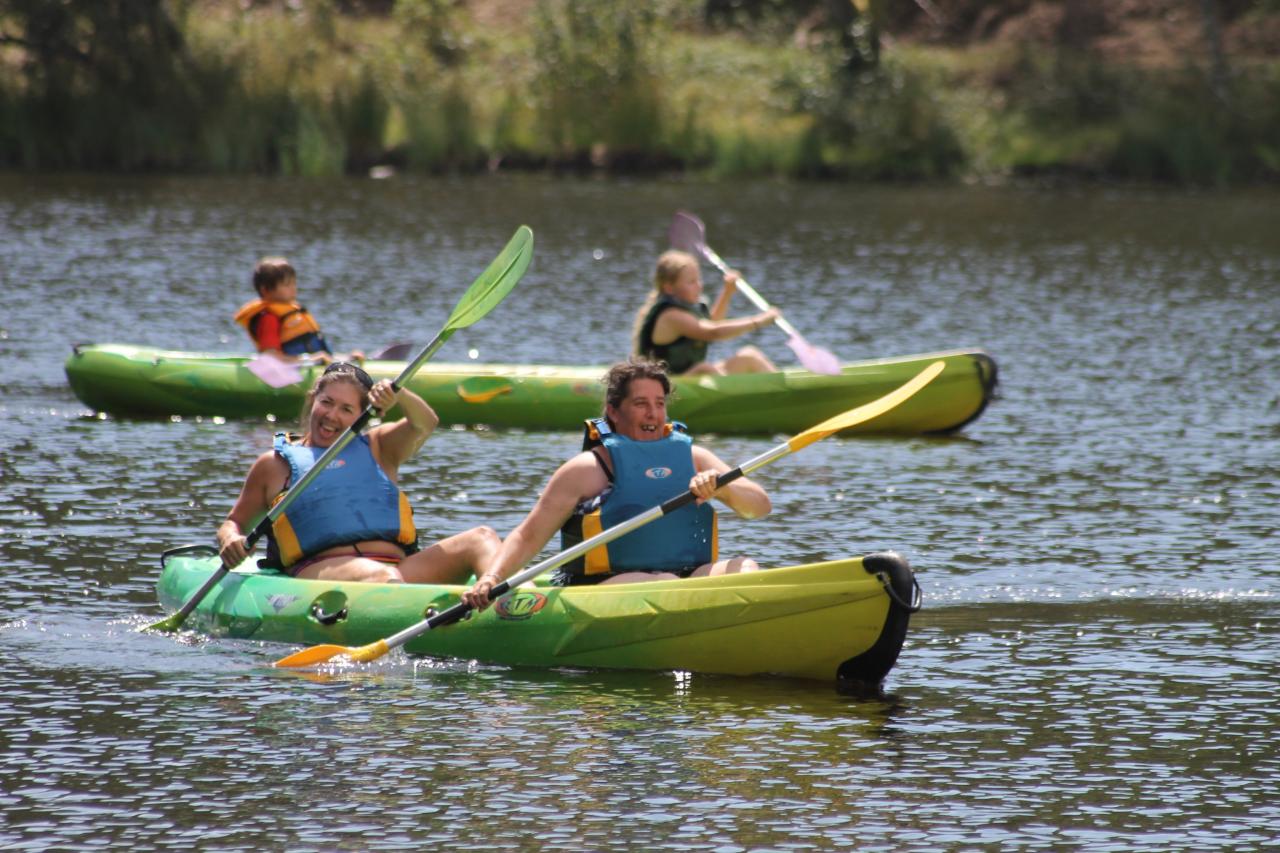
[[675, 325], [352, 522], [276, 322]]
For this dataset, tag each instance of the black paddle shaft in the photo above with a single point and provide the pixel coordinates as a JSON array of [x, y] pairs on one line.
[[461, 609], [263, 527]]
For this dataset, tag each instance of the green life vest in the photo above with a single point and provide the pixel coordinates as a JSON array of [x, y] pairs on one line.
[[682, 353]]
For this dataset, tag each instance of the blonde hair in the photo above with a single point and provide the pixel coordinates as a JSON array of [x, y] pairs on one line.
[[670, 264]]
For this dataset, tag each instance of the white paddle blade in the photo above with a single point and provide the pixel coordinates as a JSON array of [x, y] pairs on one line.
[[274, 371], [815, 359]]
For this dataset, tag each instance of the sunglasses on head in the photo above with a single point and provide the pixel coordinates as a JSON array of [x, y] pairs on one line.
[[353, 369]]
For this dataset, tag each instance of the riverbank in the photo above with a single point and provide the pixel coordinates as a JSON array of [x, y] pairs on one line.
[[302, 88]]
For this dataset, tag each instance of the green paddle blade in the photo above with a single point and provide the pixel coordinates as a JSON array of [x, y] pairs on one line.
[[495, 282], [167, 625]]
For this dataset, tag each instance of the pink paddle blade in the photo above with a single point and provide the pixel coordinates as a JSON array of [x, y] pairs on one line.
[[274, 371], [687, 233], [815, 359]]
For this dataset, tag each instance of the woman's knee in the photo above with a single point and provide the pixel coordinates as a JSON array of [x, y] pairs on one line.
[[731, 566], [706, 368], [749, 360], [486, 537]]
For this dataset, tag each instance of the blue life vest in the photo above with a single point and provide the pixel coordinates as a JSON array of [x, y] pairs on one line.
[[352, 500], [645, 474]]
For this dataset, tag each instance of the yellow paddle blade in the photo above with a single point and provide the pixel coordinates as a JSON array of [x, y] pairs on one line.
[[373, 651], [866, 412], [320, 654]]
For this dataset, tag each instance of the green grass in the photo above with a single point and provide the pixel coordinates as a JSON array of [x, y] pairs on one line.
[[627, 85]]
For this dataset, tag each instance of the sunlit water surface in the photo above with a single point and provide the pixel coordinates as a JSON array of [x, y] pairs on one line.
[[1095, 668]]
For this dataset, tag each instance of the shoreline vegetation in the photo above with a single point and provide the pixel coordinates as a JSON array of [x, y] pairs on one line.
[[852, 90]]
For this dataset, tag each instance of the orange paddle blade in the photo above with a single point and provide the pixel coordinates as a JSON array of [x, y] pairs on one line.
[[322, 653]]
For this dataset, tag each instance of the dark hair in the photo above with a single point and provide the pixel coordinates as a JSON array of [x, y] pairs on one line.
[[269, 272], [617, 381], [348, 373], [350, 367]]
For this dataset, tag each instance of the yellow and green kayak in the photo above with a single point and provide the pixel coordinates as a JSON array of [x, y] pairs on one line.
[[143, 382], [842, 621]]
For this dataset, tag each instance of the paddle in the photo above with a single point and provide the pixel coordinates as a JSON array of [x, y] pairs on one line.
[[398, 351], [274, 371], [853, 417], [278, 373], [688, 234], [484, 294]]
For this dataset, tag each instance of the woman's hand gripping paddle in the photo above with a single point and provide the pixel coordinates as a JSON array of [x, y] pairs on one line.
[[688, 234], [853, 417], [482, 297]]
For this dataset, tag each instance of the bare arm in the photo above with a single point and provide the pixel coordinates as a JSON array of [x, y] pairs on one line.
[[394, 443], [744, 496], [674, 323], [575, 481], [720, 308], [267, 477]]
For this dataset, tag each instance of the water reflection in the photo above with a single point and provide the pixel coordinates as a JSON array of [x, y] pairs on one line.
[[1097, 655]]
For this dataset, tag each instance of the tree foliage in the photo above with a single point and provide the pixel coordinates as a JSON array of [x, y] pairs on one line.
[[89, 62]]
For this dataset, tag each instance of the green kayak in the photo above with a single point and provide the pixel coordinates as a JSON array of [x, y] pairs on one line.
[[142, 382], [842, 621]]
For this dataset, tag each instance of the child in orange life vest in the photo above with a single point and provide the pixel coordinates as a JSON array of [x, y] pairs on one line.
[[277, 323]]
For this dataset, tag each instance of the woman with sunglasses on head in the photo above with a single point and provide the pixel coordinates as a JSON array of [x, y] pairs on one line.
[[352, 522]]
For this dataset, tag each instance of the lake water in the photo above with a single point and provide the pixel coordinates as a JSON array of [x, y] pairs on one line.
[[1096, 666]]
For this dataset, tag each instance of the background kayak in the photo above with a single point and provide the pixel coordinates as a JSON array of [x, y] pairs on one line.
[[141, 381]]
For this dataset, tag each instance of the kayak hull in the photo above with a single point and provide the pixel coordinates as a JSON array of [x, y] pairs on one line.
[[841, 621], [136, 381]]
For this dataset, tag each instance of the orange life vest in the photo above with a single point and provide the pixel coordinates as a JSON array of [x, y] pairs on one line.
[[295, 321]]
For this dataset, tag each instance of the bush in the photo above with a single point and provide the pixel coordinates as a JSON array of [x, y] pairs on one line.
[[597, 80], [887, 123]]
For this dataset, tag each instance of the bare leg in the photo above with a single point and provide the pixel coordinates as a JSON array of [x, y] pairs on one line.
[[749, 360], [706, 368], [348, 567], [733, 566], [637, 577], [453, 560]]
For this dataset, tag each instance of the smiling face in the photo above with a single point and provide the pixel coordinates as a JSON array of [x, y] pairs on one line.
[[642, 414], [336, 406]]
